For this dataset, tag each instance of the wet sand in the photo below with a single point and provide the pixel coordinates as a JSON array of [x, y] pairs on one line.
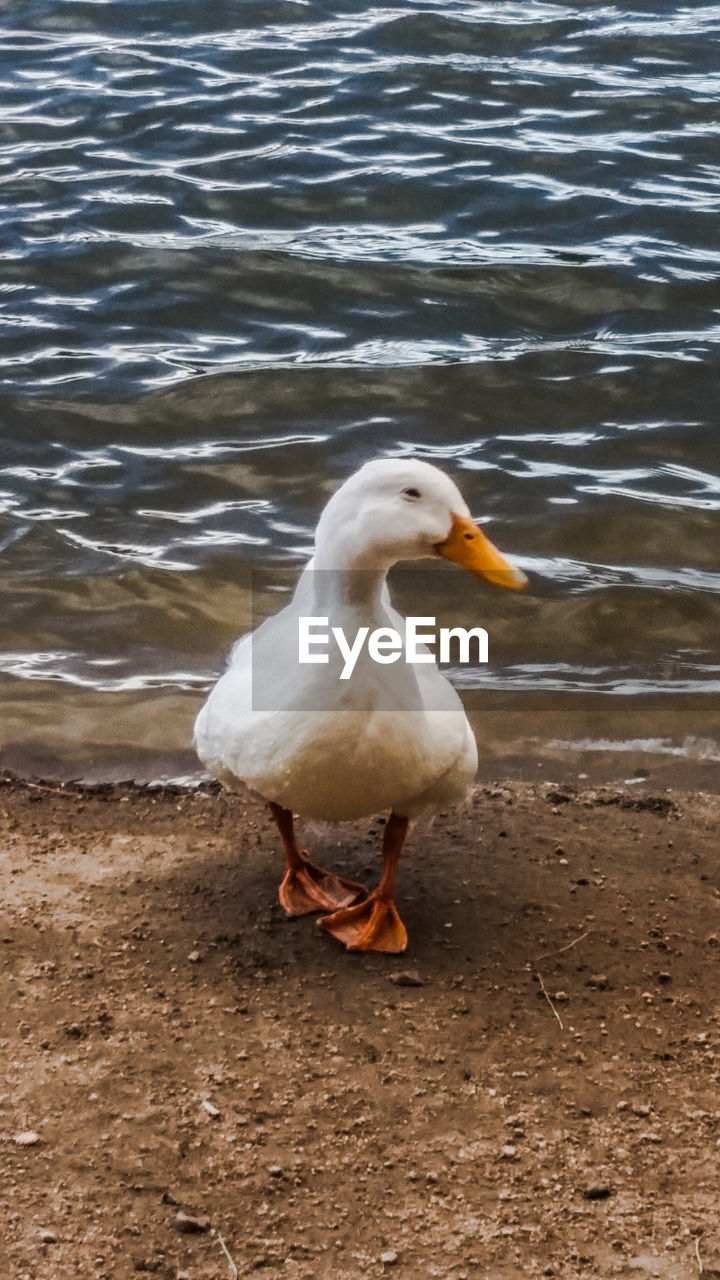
[[532, 1089]]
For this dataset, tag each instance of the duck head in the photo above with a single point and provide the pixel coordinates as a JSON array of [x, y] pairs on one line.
[[405, 509]]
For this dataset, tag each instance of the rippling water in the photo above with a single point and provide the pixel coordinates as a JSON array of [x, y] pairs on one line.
[[245, 247]]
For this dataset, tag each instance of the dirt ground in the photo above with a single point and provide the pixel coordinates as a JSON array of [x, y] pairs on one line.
[[193, 1087]]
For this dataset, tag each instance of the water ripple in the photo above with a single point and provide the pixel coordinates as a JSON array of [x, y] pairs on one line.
[[246, 247]]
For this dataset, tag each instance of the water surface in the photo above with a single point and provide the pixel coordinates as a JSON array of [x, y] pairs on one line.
[[245, 247]]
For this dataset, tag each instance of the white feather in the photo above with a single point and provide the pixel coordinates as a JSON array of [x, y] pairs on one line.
[[392, 736]]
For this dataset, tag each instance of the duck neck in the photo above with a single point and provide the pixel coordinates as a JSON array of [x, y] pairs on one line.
[[353, 586], [349, 567]]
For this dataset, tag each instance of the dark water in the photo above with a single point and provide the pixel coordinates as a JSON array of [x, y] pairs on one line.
[[246, 246]]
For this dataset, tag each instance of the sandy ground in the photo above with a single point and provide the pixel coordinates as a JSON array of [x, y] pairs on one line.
[[531, 1090]]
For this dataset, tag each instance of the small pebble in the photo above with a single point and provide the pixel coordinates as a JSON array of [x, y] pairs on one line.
[[211, 1109], [389, 1258], [407, 978], [47, 1237], [194, 957], [28, 1139], [597, 1191], [190, 1224]]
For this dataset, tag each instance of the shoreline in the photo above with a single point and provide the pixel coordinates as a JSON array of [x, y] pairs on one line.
[[530, 1090], [64, 733], [637, 763]]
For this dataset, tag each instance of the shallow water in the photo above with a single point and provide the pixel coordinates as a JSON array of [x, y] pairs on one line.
[[246, 247]]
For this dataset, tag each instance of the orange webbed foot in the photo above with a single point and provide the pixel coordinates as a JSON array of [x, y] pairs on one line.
[[373, 925], [307, 888]]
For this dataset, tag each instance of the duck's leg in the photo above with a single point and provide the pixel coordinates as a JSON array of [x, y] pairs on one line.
[[305, 887], [374, 925]]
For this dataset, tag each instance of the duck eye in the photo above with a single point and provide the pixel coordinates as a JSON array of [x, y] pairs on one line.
[[412, 493]]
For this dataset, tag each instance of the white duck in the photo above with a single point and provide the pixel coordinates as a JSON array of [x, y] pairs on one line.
[[392, 736]]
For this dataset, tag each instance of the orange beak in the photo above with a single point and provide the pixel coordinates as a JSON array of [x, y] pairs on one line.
[[468, 546]]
